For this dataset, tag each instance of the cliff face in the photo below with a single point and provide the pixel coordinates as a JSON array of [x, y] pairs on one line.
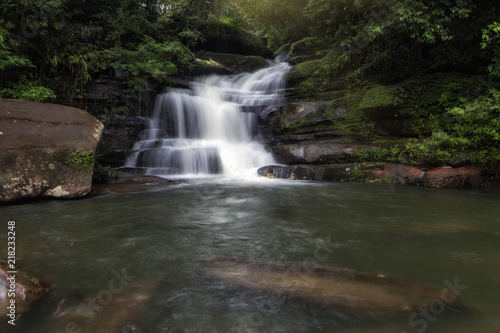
[[372, 133], [46, 150]]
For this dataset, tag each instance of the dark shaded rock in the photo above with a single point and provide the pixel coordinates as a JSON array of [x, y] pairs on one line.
[[391, 121], [127, 172], [301, 121], [47, 150], [103, 175], [227, 38], [106, 86], [331, 173], [446, 177], [300, 113], [120, 134]]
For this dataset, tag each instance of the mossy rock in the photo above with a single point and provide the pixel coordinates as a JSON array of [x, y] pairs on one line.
[[307, 46], [380, 97], [103, 175], [305, 77], [226, 63]]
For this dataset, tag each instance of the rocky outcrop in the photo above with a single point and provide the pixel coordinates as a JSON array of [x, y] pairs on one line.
[[317, 151], [46, 150], [472, 176], [315, 140], [331, 173]]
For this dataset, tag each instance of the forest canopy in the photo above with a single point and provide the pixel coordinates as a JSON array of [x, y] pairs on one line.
[[43, 41]]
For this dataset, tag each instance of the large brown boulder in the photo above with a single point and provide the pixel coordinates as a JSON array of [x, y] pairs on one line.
[[21, 287], [46, 150]]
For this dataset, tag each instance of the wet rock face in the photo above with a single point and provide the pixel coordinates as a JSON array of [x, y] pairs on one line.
[[119, 136], [316, 151], [46, 150]]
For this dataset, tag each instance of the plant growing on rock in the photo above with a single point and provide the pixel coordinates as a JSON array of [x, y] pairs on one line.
[[83, 159]]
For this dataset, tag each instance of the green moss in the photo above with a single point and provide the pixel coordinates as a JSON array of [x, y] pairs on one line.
[[373, 165], [83, 159], [305, 77], [355, 121], [379, 97]]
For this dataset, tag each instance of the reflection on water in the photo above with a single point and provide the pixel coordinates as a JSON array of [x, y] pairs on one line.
[[161, 240]]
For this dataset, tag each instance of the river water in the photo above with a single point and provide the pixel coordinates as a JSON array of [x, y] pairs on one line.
[[143, 255]]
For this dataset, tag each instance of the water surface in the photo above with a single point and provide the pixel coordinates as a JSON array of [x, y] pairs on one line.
[[161, 240]]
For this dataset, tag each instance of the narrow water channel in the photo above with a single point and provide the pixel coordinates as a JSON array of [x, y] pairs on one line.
[[159, 242]]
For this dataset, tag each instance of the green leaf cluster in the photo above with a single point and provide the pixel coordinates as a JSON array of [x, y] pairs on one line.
[[491, 41], [474, 125], [151, 59], [28, 91]]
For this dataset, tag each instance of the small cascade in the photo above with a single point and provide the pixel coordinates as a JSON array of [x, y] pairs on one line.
[[210, 128]]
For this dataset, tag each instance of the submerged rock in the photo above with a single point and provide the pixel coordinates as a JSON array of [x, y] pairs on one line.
[[47, 150], [122, 308], [361, 292]]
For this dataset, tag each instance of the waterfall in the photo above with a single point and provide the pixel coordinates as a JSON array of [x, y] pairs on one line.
[[211, 128]]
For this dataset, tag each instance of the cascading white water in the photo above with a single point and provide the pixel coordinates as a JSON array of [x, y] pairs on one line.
[[210, 129]]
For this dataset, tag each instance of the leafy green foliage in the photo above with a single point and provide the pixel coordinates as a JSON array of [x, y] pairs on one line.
[[428, 94], [278, 21], [473, 125], [428, 21], [29, 91], [356, 175], [491, 40], [7, 58], [151, 59]]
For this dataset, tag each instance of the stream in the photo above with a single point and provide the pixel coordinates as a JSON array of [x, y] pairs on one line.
[[150, 249]]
